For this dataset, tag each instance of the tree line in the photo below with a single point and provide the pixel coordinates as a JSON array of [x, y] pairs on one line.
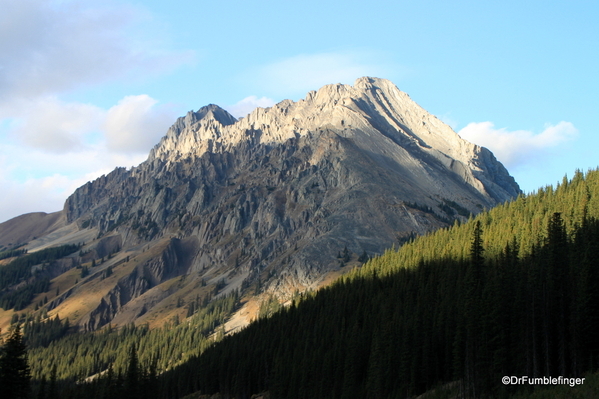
[[20, 270], [467, 322], [514, 291]]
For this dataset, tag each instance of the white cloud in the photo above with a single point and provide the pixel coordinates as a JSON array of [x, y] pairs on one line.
[[34, 180], [135, 124], [50, 124], [248, 104], [51, 46], [43, 194], [55, 147], [519, 147], [302, 73], [28, 194]]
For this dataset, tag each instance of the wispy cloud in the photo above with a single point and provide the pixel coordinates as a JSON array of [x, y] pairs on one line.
[[135, 124], [38, 194], [53, 48], [248, 104], [38, 180], [519, 147], [49, 124], [48, 46], [304, 72], [54, 147]]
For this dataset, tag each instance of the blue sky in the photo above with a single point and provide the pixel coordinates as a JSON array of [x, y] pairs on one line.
[[89, 85]]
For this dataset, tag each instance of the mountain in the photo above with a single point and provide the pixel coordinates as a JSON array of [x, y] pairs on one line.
[[513, 292], [278, 201]]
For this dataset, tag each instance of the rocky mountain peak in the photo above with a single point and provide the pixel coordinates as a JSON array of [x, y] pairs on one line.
[[194, 128], [267, 203], [371, 104]]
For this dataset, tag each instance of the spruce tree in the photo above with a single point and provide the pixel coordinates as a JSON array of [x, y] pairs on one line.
[[41, 392], [132, 378], [15, 374], [52, 389], [346, 255], [473, 311]]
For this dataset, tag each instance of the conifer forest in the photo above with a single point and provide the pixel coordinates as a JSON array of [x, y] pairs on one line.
[[514, 291]]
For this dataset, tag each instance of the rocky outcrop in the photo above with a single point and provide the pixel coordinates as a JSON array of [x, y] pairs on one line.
[[273, 198], [173, 261], [371, 110]]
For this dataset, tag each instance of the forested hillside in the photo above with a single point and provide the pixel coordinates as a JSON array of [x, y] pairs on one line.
[[86, 354], [515, 291], [18, 284], [399, 335], [523, 221]]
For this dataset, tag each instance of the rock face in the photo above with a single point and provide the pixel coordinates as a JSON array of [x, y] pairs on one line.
[[271, 200], [173, 261]]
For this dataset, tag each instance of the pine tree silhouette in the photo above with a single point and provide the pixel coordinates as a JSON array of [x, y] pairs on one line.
[[15, 374]]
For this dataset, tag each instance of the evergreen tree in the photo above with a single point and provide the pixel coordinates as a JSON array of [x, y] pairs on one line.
[[52, 390], [41, 392], [557, 311], [15, 374], [473, 312], [346, 255], [364, 257], [132, 378], [445, 307]]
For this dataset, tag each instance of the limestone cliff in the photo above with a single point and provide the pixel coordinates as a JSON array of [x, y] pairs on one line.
[[270, 201]]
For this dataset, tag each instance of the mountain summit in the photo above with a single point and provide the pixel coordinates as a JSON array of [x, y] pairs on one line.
[[270, 203], [371, 110]]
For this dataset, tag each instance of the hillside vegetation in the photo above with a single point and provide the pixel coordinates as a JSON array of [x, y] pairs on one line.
[[522, 222], [515, 291]]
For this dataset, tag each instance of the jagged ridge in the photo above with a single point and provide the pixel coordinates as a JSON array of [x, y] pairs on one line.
[[267, 202], [372, 105]]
